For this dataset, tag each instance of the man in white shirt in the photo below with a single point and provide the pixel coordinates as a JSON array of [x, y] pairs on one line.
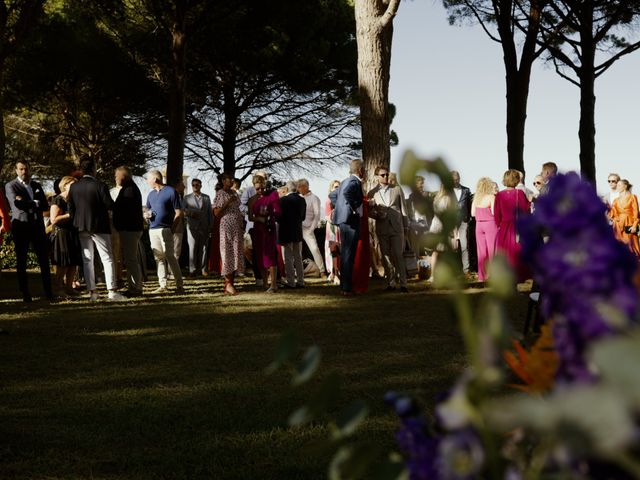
[[613, 180], [521, 186], [463, 196], [311, 222]]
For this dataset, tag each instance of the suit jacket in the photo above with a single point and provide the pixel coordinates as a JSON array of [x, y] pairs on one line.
[[26, 209], [89, 204], [198, 218], [349, 199], [294, 210], [390, 213], [464, 205], [127, 209]]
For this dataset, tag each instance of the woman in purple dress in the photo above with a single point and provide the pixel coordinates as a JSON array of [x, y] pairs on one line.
[[264, 207], [510, 204], [226, 207]]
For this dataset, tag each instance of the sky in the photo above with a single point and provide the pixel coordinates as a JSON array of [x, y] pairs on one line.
[[447, 83]]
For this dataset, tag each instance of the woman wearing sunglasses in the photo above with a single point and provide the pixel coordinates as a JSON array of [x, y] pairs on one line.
[[624, 213]]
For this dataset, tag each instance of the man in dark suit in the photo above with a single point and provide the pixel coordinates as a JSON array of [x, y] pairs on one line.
[[89, 205], [463, 195], [348, 202], [27, 202], [290, 236]]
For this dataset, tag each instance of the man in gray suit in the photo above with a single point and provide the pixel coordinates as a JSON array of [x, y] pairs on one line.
[[392, 223], [27, 202], [199, 216]]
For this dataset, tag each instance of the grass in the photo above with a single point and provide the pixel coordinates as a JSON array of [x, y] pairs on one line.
[[172, 387]]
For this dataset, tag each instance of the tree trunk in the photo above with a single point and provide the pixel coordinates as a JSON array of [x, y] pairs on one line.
[[374, 38], [177, 94], [517, 96], [587, 129], [230, 126]]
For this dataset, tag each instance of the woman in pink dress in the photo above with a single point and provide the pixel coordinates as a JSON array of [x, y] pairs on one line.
[[486, 228], [510, 204], [226, 208], [264, 207], [332, 240]]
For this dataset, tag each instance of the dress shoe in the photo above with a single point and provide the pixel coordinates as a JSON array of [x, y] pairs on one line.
[[132, 294], [390, 288], [26, 298], [404, 290]]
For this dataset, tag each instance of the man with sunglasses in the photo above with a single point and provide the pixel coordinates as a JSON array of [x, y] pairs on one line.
[[392, 223], [613, 180]]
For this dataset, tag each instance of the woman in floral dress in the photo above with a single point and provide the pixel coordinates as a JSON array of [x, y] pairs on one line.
[[226, 207]]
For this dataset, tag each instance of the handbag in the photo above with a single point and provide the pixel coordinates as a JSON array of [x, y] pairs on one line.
[[410, 260]]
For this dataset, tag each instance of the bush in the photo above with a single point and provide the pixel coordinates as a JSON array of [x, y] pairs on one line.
[[8, 254]]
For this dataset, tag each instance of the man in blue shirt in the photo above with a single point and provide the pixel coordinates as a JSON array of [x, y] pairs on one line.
[[164, 212]]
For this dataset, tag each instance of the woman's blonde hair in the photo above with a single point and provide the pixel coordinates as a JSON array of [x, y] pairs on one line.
[[332, 183], [485, 186], [64, 181], [258, 179]]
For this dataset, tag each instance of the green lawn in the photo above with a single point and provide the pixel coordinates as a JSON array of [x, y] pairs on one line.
[[173, 387]]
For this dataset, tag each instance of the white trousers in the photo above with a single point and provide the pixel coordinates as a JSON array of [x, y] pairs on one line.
[[310, 238], [293, 266], [163, 250], [101, 241]]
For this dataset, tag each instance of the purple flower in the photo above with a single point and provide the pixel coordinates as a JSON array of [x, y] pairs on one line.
[[585, 274], [461, 455], [419, 448]]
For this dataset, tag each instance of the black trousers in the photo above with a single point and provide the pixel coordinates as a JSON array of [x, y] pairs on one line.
[[25, 234], [349, 235]]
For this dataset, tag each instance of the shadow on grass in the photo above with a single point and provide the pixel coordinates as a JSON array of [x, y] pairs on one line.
[[173, 386]]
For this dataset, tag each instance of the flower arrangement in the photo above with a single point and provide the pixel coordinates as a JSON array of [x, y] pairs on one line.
[[565, 408], [576, 417]]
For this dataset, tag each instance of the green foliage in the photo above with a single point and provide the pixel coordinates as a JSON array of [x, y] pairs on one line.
[[8, 254], [85, 94]]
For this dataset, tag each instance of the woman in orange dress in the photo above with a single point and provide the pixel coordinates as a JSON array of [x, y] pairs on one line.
[[624, 213]]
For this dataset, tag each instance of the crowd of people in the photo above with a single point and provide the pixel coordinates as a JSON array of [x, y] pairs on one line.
[[374, 233]]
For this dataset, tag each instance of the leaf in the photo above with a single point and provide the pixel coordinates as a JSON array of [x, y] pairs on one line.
[[355, 461], [308, 366], [501, 278], [323, 398], [287, 346], [617, 361], [391, 470], [350, 418]]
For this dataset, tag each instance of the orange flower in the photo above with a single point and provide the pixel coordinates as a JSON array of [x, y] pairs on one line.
[[537, 367]]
